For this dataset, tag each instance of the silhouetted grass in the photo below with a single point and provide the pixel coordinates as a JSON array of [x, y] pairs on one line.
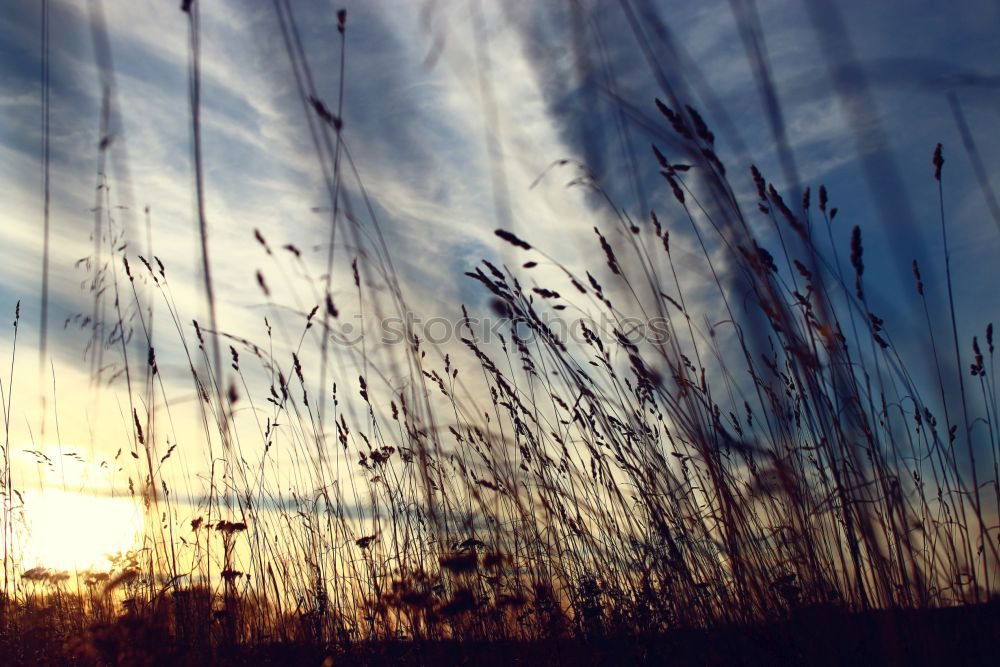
[[772, 487]]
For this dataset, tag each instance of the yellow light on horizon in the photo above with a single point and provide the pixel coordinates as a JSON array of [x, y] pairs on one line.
[[77, 531]]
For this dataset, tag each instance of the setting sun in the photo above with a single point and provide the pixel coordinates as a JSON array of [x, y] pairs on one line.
[[77, 532]]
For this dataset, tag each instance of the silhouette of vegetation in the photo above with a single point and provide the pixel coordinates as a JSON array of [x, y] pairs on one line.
[[776, 487]]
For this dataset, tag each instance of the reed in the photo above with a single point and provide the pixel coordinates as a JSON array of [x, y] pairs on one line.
[[775, 469]]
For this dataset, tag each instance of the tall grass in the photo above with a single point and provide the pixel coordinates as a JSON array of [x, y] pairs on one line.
[[735, 472]]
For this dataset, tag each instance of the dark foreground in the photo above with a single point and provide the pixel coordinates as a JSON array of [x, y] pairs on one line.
[[958, 636]]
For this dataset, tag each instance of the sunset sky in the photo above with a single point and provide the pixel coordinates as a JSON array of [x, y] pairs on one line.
[[452, 110]]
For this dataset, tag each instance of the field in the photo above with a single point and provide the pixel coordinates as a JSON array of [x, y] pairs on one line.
[[739, 426]]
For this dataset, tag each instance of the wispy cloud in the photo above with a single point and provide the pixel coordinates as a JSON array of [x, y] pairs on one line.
[[428, 141]]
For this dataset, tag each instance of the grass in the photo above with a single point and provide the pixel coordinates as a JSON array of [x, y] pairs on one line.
[[775, 486]]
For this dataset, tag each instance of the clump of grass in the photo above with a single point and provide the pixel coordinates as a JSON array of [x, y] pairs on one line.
[[782, 464]]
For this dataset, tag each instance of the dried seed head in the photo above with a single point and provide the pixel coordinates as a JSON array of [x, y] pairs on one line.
[[758, 181], [676, 120], [976, 367], [857, 254], [916, 276], [786, 212], [700, 127], [857, 251], [510, 238], [260, 239], [678, 192], [938, 162], [608, 253], [660, 157]]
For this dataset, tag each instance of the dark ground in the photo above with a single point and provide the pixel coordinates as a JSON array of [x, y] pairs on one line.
[[947, 637]]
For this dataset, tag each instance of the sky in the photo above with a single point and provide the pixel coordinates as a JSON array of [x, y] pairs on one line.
[[452, 111]]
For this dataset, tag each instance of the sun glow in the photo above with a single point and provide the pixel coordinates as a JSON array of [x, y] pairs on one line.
[[77, 531]]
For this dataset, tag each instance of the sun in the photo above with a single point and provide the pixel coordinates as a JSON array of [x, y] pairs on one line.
[[76, 532]]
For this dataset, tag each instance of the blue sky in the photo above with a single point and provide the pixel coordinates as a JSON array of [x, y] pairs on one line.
[[424, 80]]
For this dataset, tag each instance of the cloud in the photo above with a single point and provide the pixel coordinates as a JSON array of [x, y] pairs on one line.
[[442, 111]]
